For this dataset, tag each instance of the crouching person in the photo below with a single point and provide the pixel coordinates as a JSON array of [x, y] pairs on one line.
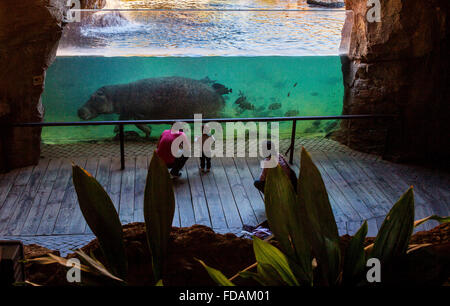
[[164, 150], [261, 182]]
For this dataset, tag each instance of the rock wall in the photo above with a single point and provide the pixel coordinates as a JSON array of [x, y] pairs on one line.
[[399, 66], [29, 35]]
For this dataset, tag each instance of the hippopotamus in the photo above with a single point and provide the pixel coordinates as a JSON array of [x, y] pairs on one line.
[[156, 98]]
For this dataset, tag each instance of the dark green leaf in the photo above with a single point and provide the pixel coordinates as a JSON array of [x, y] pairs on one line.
[[268, 255], [159, 208], [319, 219], [395, 232], [102, 218], [283, 214], [216, 275], [355, 258]]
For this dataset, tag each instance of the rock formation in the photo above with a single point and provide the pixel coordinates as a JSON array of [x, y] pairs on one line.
[[399, 66], [29, 34]]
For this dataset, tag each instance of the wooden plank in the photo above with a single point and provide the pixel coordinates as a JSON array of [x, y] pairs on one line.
[[139, 188], [39, 203], [366, 182], [6, 183], [13, 196], [126, 206], [230, 209], [254, 196], [421, 178], [212, 199], [342, 209], [77, 223], [392, 185], [54, 202], [357, 184], [199, 203], [23, 206], [245, 209], [337, 200], [184, 200], [68, 204], [353, 227], [372, 229], [115, 182], [346, 189]]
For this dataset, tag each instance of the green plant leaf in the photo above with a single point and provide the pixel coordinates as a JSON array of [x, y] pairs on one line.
[[433, 217], [355, 258], [395, 232], [257, 277], [102, 218], [318, 217], [159, 208], [270, 275], [285, 221], [268, 255], [216, 275]]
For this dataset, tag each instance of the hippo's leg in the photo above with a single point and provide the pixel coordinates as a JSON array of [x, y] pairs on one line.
[[145, 128], [121, 117]]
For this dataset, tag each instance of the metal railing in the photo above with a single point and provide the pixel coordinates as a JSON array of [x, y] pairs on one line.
[[122, 123]]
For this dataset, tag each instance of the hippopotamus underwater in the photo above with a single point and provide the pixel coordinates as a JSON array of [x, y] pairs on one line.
[[156, 98]]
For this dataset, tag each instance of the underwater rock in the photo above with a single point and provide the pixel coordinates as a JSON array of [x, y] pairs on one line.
[[291, 113], [327, 3], [330, 126], [154, 98], [274, 106]]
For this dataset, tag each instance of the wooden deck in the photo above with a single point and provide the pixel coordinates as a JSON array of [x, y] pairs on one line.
[[41, 200]]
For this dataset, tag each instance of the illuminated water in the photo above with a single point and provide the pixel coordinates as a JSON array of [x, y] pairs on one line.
[[287, 58]]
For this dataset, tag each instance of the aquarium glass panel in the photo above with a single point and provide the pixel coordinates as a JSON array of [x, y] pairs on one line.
[[259, 62]]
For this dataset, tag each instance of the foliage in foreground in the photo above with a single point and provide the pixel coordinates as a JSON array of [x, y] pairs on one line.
[[102, 218], [305, 228]]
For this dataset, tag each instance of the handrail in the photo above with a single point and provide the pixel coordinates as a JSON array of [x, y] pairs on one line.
[[122, 123], [169, 121]]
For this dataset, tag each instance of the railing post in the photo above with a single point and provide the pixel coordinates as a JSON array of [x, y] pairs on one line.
[[122, 147], [292, 147]]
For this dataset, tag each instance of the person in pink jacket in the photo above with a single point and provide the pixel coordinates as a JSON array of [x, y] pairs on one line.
[[164, 151]]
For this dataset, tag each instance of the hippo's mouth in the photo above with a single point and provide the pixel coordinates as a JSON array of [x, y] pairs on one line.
[[85, 113]]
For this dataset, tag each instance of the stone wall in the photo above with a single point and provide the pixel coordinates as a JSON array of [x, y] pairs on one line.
[[29, 35], [399, 66]]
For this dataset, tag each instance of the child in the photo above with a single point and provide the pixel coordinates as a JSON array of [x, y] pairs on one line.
[[205, 159]]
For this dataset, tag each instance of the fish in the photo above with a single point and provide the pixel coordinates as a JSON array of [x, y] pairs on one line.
[[246, 105], [291, 113], [314, 94], [289, 94], [221, 89], [275, 106], [295, 84]]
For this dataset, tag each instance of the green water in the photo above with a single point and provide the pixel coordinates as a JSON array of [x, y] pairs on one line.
[[310, 85]]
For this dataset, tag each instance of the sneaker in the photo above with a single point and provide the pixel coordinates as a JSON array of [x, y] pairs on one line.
[[207, 170], [175, 176], [201, 169]]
